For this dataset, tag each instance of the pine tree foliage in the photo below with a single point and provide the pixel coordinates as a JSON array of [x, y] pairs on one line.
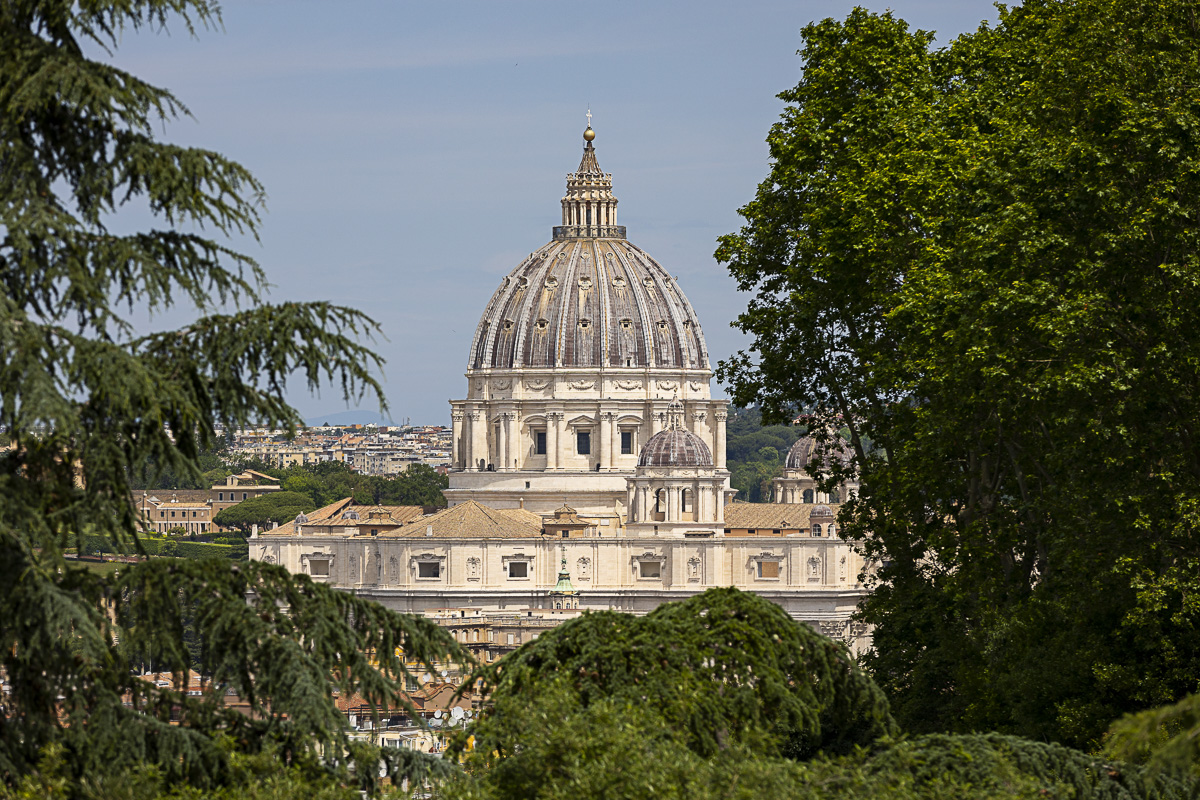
[[86, 401], [987, 763], [724, 667], [619, 748], [1165, 739]]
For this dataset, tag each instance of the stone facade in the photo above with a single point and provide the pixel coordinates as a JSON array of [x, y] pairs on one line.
[[575, 360], [589, 465]]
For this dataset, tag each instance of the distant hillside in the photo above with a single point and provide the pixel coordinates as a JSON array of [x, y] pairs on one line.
[[351, 418]]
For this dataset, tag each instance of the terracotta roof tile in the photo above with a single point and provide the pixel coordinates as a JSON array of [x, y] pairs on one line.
[[472, 520], [784, 516]]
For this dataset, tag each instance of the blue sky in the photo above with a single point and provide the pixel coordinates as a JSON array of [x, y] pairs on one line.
[[413, 153]]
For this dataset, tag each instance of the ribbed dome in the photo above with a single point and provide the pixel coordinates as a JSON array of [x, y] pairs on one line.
[[802, 452], [675, 447], [820, 511], [589, 298]]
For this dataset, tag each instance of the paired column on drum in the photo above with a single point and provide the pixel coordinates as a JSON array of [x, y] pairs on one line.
[[719, 455], [460, 446], [477, 453], [554, 420]]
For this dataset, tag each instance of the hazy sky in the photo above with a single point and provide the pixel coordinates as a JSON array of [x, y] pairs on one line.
[[413, 153]]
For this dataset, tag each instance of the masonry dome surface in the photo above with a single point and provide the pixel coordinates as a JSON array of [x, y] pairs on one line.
[[590, 297]]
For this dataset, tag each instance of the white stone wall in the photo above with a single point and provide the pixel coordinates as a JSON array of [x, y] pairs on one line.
[[818, 578]]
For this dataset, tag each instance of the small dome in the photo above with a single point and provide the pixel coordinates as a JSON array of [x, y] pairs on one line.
[[349, 513], [821, 511], [802, 452], [301, 519], [675, 447]]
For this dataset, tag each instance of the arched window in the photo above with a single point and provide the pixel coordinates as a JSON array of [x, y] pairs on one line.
[[816, 529], [834, 496], [808, 495], [658, 501]]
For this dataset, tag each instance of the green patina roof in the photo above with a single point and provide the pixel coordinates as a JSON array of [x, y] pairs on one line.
[[564, 579]]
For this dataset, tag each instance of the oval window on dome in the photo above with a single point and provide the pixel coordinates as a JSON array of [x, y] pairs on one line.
[[542, 324], [662, 325], [648, 282], [523, 282], [508, 323], [551, 282]]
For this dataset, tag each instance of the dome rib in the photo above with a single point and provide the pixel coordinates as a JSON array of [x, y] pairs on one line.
[[563, 343]]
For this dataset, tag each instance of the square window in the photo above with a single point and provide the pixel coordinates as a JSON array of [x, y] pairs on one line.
[[649, 569], [583, 443], [429, 569], [768, 569], [320, 567], [539, 443], [626, 443], [518, 569]]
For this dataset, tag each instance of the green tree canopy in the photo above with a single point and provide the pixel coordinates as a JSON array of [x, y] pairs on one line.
[[89, 402], [329, 481], [613, 706], [279, 507], [983, 259], [725, 666]]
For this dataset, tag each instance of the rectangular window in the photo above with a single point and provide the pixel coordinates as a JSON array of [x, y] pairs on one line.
[[539, 443], [172, 515], [518, 569], [768, 569], [649, 569], [626, 443], [429, 569], [583, 443], [243, 495], [318, 567]]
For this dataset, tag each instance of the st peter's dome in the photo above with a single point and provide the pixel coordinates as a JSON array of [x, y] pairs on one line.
[[589, 298]]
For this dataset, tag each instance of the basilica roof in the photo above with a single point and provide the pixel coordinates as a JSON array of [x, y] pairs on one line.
[[772, 516], [589, 298], [472, 520]]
